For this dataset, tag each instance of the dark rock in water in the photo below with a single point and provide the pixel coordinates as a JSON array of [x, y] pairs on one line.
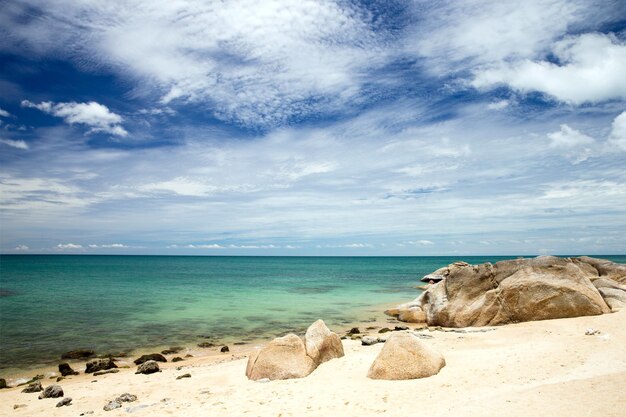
[[64, 401], [112, 405], [79, 354], [177, 359], [354, 330], [224, 349], [150, 357], [183, 376], [52, 391], [148, 367], [33, 387], [66, 370], [400, 328], [114, 355], [384, 330], [126, 398], [3, 383], [172, 350], [206, 345], [108, 371], [6, 293], [99, 365]]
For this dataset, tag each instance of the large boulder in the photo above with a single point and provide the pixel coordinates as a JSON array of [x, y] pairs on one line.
[[283, 358], [148, 367], [65, 369], [52, 391], [545, 287], [321, 344], [404, 356], [99, 365]]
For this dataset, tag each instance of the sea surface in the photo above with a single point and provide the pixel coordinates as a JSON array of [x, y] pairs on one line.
[[50, 304]]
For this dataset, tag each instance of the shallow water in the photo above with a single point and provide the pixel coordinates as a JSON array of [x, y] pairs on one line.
[[52, 304]]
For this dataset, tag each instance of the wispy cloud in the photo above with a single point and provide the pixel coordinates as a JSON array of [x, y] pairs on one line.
[[94, 115], [4, 113], [18, 144]]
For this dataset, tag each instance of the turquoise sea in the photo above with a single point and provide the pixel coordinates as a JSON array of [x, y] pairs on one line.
[[50, 304]]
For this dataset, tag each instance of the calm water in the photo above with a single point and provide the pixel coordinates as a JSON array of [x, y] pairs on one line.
[[52, 304]]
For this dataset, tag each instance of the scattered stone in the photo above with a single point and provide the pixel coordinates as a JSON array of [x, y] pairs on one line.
[[177, 359], [30, 381], [52, 391], [206, 345], [400, 328], [148, 367], [99, 365], [356, 337], [189, 355], [239, 343], [321, 344], [224, 349], [183, 376], [112, 405], [172, 350], [3, 383], [64, 401], [384, 330], [86, 413], [33, 387], [60, 378], [369, 340], [371, 328], [404, 356], [591, 332], [150, 357], [108, 371], [16, 406], [354, 330], [114, 355], [79, 354], [126, 398], [65, 369]]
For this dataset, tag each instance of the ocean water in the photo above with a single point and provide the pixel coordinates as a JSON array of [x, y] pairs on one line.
[[52, 304]]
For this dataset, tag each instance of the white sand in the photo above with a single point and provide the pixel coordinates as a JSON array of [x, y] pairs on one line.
[[546, 368]]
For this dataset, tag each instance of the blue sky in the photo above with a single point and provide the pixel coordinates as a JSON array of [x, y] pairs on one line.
[[313, 128]]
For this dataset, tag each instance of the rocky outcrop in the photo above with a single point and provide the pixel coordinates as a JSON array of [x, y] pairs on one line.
[[404, 356], [613, 292], [545, 287], [150, 357], [148, 367], [52, 391], [290, 357], [99, 365]]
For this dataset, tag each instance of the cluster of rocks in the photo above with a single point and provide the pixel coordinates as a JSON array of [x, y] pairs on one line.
[[546, 287], [117, 403]]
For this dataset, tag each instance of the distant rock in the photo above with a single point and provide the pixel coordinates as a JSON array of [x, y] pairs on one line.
[[79, 354], [384, 330], [33, 387], [369, 340], [172, 350], [150, 357], [108, 371], [321, 344], [65, 369], [354, 330], [404, 356], [148, 367], [183, 376], [177, 359], [224, 349], [518, 290], [3, 383], [206, 345], [112, 405], [52, 391], [126, 398], [64, 402], [99, 365]]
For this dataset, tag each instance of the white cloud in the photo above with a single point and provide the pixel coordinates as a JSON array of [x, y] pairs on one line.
[[69, 246], [110, 246], [421, 242], [569, 138], [94, 115], [205, 246], [21, 248], [498, 105], [18, 144], [618, 132], [591, 68], [4, 113]]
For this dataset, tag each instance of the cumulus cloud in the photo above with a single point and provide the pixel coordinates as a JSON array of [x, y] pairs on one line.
[[4, 113], [590, 68], [94, 115], [21, 248], [618, 132], [201, 246], [569, 138], [421, 242], [69, 246], [110, 246], [18, 144]]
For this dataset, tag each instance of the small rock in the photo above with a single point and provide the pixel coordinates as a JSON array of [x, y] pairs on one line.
[[108, 371], [3, 383], [126, 398], [354, 330], [150, 357], [239, 343], [65, 369], [224, 349], [64, 401], [149, 367], [400, 328], [369, 340], [591, 332], [112, 405], [16, 406], [33, 387], [79, 354], [86, 413], [52, 391], [60, 378], [172, 350], [384, 330], [177, 359], [99, 365], [189, 355], [183, 376], [206, 345]]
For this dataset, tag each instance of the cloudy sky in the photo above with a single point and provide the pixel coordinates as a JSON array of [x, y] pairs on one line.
[[299, 127]]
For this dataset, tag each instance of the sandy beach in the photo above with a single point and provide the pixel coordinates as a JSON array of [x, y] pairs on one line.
[[536, 368]]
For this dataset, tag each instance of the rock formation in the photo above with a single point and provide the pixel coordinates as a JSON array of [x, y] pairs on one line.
[[99, 365], [148, 367], [545, 287], [404, 356], [290, 357], [52, 391], [150, 357]]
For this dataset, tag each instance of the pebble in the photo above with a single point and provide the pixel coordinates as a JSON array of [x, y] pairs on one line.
[[183, 376], [64, 401]]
